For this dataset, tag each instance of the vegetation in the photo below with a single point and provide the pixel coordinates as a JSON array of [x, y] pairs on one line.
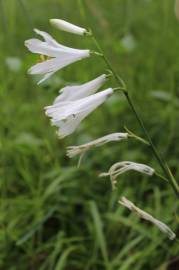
[[53, 214]]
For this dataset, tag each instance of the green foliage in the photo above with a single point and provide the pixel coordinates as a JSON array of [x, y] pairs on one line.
[[52, 214]]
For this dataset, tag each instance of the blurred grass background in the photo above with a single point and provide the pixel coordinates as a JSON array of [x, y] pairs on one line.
[[53, 215]]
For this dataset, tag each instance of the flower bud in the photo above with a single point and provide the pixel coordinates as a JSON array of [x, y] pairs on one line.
[[68, 27]]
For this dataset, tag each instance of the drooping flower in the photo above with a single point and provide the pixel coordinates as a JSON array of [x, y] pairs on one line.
[[67, 115], [58, 55], [124, 166], [144, 215], [68, 27], [75, 92], [81, 149]]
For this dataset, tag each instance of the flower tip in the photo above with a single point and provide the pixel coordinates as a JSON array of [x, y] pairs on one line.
[[36, 30], [53, 21], [29, 71], [103, 175], [26, 43], [105, 76], [60, 135]]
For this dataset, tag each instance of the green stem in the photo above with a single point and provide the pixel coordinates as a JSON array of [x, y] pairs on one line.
[[119, 79], [161, 176], [133, 135], [158, 157]]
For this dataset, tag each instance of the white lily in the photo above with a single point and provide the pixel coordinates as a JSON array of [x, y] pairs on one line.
[[144, 215], [68, 27], [124, 166], [58, 55], [81, 149], [74, 92], [67, 115]]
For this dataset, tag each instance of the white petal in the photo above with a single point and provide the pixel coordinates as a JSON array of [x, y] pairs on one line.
[[71, 93], [45, 77], [49, 40], [55, 64], [40, 47], [70, 122], [48, 66], [63, 110], [68, 27], [68, 126]]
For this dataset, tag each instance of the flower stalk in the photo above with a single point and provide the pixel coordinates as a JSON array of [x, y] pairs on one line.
[[123, 87], [76, 102]]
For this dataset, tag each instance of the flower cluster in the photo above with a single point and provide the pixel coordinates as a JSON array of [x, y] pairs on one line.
[[74, 103]]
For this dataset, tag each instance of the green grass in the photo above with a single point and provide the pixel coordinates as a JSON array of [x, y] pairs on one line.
[[54, 216]]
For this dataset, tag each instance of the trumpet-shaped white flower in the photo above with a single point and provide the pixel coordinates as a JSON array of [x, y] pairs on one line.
[[67, 115], [81, 149], [58, 55], [144, 215], [177, 8], [68, 27], [71, 93], [124, 166]]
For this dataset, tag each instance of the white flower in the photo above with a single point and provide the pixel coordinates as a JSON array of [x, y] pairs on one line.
[[81, 149], [68, 27], [144, 215], [67, 115], [177, 8], [124, 166], [58, 55], [71, 93]]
